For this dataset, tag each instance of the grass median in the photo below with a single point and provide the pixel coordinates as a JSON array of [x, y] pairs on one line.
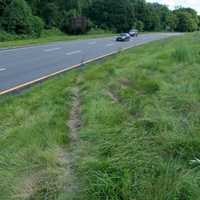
[[139, 128], [49, 36]]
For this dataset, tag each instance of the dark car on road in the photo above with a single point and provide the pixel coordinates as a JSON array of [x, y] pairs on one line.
[[123, 37], [133, 33]]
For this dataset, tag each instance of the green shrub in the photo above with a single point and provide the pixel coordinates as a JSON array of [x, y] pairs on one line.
[[4, 36], [65, 23], [140, 25], [95, 31], [51, 15], [37, 25], [184, 148], [186, 22], [18, 19], [52, 32], [148, 86]]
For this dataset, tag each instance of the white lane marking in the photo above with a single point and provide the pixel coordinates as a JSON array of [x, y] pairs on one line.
[[23, 48], [92, 43], [109, 45], [73, 52], [52, 49], [2, 69]]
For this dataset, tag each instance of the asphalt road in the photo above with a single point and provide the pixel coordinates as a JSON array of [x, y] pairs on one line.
[[22, 65]]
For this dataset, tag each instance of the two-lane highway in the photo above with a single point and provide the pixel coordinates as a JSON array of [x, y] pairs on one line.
[[21, 66]]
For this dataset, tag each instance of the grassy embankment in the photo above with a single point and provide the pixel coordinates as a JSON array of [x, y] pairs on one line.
[[48, 36], [139, 133]]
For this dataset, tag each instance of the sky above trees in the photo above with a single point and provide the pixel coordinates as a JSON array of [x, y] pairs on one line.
[[195, 4]]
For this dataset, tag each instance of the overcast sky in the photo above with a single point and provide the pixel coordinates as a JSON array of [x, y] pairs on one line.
[[184, 3]]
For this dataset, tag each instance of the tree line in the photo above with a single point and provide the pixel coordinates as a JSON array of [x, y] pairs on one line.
[[30, 17]]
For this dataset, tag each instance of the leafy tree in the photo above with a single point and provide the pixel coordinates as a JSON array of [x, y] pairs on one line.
[[3, 4], [50, 14], [35, 6], [186, 23], [111, 14], [140, 26], [139, 7], [163, 12], [18, 18], [172, 22], [65, 24], [37, 25], [151, 19], [187, 20], [190, 11], [199, 21]]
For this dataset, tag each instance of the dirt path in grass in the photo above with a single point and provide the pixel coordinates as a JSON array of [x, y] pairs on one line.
[[74, 119], [113, 97], [74, 122]]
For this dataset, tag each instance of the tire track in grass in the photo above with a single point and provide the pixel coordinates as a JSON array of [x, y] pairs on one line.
[[74, 123]]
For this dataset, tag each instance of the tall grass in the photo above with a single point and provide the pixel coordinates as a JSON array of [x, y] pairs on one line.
[[33, 141], [140, 122], [184, 53], [187, 52], [142, 144]]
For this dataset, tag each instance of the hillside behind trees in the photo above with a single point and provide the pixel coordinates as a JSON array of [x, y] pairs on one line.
[[32, 16]]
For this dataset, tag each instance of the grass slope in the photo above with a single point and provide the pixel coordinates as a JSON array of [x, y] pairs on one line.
[[52, 36], [139, 134], [33, 141]]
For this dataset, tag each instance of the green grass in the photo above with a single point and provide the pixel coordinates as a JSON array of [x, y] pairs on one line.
[[139, 135], [33, 141], [51, 36]]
